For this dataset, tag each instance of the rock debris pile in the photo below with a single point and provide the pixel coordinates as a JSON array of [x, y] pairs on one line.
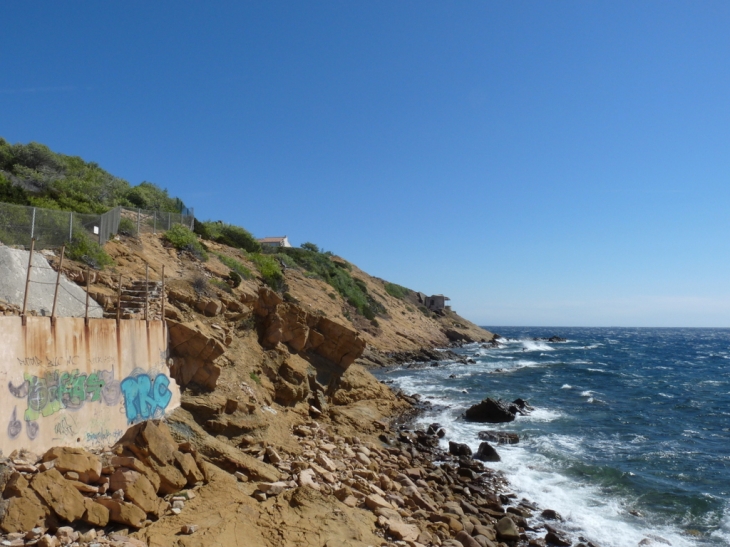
[[420, 495], [70, 496]]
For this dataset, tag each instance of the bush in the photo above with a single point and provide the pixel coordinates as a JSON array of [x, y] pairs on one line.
[[127, 227], [236, 266], [235, 279], [310, 247], [228, 234], [396, 290], [182, 238], [269, 269], [200, 285], [222, 285], [88, 251], [337, 274]]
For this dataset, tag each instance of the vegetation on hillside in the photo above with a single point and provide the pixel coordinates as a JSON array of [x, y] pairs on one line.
[[32, 174], [337, 274], [228, 234], [183, 239], [397, 291]]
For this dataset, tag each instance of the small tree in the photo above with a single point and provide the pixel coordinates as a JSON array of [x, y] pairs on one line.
[[310, 247]]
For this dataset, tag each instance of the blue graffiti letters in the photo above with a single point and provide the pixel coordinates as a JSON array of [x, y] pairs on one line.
[[145, 398]]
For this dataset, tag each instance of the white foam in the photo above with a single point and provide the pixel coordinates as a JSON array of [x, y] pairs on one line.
[[586, 393], [566, 386], [542, 415], [531, 345], [587, 510]]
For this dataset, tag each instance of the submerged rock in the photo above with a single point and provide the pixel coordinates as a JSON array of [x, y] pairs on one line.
[[487, 453], [499, 437]]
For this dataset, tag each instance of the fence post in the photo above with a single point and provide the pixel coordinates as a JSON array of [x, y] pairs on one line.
[[162, 313], [146, 291], [154, 227], [71, 227], [119, 301], [32, 226], [139, 216], [27, 278], [169, 220], [58, 282], [88, 280]]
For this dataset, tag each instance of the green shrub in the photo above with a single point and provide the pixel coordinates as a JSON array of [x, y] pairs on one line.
[[228, 234], [396, 290], [183, 239], [337, 274], [235, 265], [269, 269], [310, 247], [288, 261], [127, 227], [255, 377], [235, 279], [222, 285], [84, 249]]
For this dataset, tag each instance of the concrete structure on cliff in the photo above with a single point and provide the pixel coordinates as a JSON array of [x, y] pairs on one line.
[[436, 302], [279, 241]]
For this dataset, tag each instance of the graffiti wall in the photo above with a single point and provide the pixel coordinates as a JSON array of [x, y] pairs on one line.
[[80, 385]]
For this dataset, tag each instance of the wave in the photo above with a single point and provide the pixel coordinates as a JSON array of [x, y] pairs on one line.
[[531, 345]]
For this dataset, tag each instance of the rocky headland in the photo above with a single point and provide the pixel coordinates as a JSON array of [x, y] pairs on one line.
[[283, 437]]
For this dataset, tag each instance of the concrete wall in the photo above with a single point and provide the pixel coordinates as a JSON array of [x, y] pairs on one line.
[[80, 385]]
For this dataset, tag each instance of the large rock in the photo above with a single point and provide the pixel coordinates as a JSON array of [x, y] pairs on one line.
[[487, 453], [490, 411], [124, 512], [507, 530], [284, 322], [59, 494], [77, 460], [137, 488], [194, 347], [459, 449], [96, 514], [23, 513]]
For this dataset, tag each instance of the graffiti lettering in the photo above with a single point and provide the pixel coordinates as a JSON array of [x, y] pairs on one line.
[[69, 361], [64, 428], [145, 398], [102, 361], [70, 390], [29, 362], [104, 436]]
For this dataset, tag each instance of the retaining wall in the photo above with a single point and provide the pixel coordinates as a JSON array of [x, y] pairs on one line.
[[77, 384]]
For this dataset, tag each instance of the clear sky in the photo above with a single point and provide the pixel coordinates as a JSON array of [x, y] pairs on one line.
[[541, 163]]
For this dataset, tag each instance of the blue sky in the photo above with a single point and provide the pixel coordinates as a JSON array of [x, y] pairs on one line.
[[541, 163]]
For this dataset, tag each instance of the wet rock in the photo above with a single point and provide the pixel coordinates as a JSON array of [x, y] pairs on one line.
[[459, 449], [555, 537], [487, 453], [551, 514], [491, 411], [499, 437]]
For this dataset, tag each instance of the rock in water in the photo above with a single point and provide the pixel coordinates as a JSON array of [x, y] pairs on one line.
[[499, 437], [490, 411], [487, 453], [459, 449]]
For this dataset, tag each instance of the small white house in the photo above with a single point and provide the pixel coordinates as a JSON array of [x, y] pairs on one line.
[[275, 241]]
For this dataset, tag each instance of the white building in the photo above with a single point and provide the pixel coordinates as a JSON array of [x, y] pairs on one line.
[[275, 241]]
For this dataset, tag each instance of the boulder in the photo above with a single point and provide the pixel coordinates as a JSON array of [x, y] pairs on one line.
[[490, 411], [23, 513], [402, 531], [59, 494], [466, 540], [507, 530], [124, 512], [136, 487], [77, 460], [487, 453], [459, 449], [555, 537], [96, 514]]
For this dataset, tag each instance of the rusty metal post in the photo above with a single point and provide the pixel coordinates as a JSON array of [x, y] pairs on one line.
[[58, 283], [162, 296], [88, 280], [146, 292], [27, 279], [119, 301]]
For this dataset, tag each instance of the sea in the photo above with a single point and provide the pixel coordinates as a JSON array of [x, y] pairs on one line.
[[629, 439]]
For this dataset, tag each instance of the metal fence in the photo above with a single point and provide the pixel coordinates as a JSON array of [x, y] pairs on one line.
[[51, 229]]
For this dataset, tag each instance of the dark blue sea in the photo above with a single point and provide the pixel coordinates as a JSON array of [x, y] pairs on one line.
[[630, 437]]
